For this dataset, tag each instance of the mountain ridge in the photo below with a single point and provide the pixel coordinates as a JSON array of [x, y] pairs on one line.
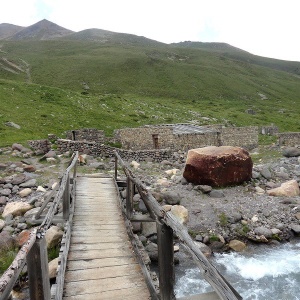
[[42, 30]]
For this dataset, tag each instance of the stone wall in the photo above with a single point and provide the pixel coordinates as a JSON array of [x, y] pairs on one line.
[[189, 141], [42, 146], [268, 130], [245, 137], [100, 150], [289, 138], [144, 137], [86, 134]]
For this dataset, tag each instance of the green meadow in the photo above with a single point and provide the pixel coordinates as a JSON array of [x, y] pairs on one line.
[[131, 81]]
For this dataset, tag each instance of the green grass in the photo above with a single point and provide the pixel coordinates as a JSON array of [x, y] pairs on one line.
[[6, 258], [131, 84]]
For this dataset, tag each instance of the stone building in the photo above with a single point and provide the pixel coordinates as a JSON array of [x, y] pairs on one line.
[[186, 136]]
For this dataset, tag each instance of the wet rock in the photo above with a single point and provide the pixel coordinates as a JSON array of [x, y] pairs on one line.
[[204, 249], [237, 245], [295, 228], [218, 166], [263, 231]]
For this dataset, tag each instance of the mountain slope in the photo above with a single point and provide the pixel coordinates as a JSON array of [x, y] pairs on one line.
[[105, 36], [238, 54], [7, 30], [42, 30]]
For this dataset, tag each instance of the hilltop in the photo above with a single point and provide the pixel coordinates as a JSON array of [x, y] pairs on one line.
[[42, 30], [53, 79]]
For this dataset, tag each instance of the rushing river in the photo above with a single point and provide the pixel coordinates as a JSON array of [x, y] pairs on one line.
[[261, 273]]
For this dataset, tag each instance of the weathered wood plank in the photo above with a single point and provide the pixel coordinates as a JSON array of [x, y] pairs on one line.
[[94, 233], [97, 239], [100, 273], [99, 246], [102, 285], [92, 253], [120, 294], [102, 262]]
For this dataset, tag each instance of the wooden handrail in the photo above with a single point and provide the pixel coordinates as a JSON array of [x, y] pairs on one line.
[[34, 251], [221, 286]]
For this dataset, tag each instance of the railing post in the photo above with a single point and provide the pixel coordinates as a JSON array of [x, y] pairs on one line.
[[66, 199], [129, 198], [116, 168], [165, 261], [38, 271]]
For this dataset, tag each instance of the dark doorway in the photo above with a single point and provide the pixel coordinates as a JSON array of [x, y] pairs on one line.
[[155, 141]]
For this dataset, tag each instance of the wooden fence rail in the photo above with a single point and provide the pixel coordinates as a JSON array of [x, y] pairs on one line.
[[34, 251], [167, 225]]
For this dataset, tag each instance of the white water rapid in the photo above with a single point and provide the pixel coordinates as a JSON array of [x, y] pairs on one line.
[[261, 273]]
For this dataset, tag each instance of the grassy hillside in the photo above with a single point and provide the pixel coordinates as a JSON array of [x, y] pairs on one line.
[[133, 83]]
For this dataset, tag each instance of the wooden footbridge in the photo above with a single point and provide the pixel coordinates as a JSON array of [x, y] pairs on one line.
[[100, 257]]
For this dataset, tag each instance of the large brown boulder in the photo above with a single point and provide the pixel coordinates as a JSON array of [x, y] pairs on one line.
[[218, 166]]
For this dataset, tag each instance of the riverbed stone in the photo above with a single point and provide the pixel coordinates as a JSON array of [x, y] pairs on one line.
[[2, 224], [18, 179], [172, 198], [181, 213], [29, 183], [6, 240], [25, 192], [295, 228], [3, 200], [52, 265], [5, 192], [53, 236], [204, 248], [16, 208], [266, 173], [287, 189], [237, 245], [266, 232], [149, 229], [291, 152]]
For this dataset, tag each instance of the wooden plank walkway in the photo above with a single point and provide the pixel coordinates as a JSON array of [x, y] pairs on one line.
[[101, 261]]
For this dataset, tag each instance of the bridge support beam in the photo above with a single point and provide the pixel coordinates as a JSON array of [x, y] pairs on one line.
[[165, 261], [38, 271]]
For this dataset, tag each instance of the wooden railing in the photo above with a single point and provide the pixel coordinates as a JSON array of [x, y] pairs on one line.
[[34, 251], [167, 225]]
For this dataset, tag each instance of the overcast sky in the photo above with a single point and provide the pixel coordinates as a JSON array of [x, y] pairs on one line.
[[268, 28]]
